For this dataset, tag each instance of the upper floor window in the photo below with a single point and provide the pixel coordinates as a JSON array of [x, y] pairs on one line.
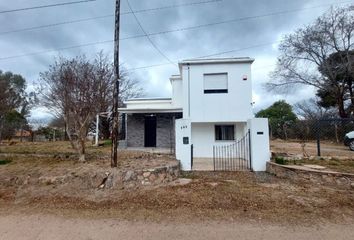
[[215, 83]]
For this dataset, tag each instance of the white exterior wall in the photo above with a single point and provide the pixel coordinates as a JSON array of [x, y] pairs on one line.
[[147, 104], [177, 94], [234, 106], [260, 149], [183, 151], [203, 138]]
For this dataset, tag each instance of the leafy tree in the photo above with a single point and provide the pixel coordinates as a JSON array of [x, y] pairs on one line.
[[46, 131], [280, 116], [13, 121], [320, 55], [49, 132], [58, 125], [338, 92], [13, 97]]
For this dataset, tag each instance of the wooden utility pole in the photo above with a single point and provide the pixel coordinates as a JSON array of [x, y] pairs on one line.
[[115, 114]]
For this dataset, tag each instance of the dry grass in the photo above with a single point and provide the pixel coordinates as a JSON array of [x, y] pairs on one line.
[[337, 165], [337, 156], [328, 149], [59, 147], [217, 196], [210, 196]]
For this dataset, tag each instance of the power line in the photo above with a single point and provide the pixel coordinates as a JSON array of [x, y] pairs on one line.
[[55, 24], [167, 31], [210, 55], [231, 20], [45, 6], [104, 16], [237, 50], [239, 19], [171, 6], [56, 50], [147, 36]]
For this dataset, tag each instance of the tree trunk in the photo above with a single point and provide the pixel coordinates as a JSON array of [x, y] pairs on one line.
[[105, 128], [81, 149], [1, 127], [65, 132], [342, 112], [21, 138], [351, 108], [285, 132], [336, 132]]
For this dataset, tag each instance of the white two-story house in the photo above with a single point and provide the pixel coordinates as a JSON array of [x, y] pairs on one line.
[[208, 121]]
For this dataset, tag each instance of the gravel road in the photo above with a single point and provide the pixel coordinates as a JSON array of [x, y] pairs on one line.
[[39, 226]]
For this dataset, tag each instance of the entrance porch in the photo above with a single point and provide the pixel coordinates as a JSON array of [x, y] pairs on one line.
[[151, 130]]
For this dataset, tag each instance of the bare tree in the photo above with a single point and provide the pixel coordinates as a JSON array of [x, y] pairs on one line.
[[128, 88], [77, 89], [320, 55], [74, 88], [311, 110]]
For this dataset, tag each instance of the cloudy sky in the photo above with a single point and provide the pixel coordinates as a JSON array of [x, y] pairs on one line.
[[30, 52]]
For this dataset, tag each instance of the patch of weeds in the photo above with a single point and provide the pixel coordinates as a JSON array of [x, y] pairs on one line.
[[334, 163], [107, 142], [296, 162], [280, 160], [4, 162], [188, 174]]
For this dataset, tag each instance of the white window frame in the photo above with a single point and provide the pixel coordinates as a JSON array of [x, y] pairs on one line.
[[225, 125], [213, 90]]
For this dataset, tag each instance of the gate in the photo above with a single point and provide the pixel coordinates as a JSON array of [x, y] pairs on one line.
[[235, 156]]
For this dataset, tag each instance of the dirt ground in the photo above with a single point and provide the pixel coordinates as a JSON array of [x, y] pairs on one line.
[[328, 149], [208, 204], [209, 196], [43, 227]]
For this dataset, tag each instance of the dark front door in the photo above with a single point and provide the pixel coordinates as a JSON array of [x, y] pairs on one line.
[[150, 131]]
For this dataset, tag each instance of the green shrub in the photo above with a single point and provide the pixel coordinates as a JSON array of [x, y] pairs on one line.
[[3, 162], [107, 142], [280, 160]]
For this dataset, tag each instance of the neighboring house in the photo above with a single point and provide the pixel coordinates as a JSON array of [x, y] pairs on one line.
[[22, 135], [210, 108]]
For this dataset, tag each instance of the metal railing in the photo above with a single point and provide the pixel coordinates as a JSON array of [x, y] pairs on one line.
[[233, 157]]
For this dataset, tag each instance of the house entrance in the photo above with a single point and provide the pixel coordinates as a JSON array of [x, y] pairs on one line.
[[150, 131], [233, 157]]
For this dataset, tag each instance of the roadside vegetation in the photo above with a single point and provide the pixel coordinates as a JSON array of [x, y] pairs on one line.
[[333, 164]]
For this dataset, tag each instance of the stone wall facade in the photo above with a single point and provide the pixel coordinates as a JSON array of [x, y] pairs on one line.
[[336, 179], [135, 130], [109, 179], [165, 132], [139, 178]]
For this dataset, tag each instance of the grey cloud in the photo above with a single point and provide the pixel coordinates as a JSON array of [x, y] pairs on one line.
[[139, 52]]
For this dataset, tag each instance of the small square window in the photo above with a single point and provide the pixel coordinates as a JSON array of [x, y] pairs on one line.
[[224, 132]]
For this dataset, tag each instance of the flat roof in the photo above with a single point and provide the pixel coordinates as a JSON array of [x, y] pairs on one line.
[[217, 60], [150, 110], [148, 99]]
